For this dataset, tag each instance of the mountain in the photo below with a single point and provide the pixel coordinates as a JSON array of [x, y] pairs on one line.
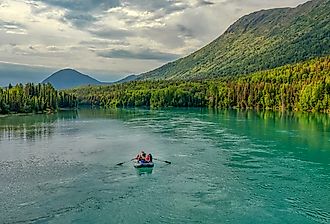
[[69, 78], [258, 41], [126, 79]]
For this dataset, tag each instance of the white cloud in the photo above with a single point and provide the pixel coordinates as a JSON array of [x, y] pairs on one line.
[[128, 33]]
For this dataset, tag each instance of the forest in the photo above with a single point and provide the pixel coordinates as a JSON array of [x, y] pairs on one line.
[[298, 87], [34, 98]]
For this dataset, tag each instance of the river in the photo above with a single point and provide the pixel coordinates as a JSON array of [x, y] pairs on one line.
[[226, 166]]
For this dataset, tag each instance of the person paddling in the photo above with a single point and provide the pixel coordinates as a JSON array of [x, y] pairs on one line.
[[141, 157], [143, 160]]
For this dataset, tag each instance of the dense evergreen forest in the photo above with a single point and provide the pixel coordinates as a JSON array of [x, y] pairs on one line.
[[299, 87], [34, 98]]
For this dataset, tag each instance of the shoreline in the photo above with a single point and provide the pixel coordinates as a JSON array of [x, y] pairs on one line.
[[37, 113], [84, 106]]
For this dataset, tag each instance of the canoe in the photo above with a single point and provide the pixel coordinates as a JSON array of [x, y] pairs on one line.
[[143, 165]]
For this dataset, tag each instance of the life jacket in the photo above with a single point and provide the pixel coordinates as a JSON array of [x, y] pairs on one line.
[[149, 158]]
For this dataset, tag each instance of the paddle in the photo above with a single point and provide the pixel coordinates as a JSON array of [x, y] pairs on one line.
[[119, 164], [168, 162]]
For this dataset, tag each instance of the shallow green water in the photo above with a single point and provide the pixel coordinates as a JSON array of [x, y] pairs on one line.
[[227, 167]]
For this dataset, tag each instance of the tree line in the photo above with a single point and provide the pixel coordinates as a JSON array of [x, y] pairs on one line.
[[37, 98], [300, 87]]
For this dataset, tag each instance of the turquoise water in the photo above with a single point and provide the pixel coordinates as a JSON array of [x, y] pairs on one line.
[[227, 167]]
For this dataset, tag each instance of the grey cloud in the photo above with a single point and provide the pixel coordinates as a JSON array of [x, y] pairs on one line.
[[53, 49], [159, 8], [22, 50], [32, 3], [14, 27], [110, 33], [168, 6], [172, 35], [185, 31], [84, 14], [103, 43], [257, 4], [11, 25], [79, 19], [82, 5], [142, 54], [99, 42], [204, 3], [79, 13], [4, 4]]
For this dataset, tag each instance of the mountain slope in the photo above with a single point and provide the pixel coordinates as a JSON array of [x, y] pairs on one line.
[[128, 78], [69, 78], [261, 40]]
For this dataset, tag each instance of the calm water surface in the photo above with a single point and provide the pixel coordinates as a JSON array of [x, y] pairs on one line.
[[227, 167]]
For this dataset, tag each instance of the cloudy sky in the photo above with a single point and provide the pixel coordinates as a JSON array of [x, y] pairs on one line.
[[109, 39]]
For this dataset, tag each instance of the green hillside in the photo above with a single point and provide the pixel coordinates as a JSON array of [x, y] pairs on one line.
[[299, 87], [262, 40]]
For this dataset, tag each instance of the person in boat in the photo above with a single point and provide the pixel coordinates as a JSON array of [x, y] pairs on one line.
[[141, 157], [148, 158]]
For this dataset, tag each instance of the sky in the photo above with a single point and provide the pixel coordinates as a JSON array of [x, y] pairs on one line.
[[110, 39]]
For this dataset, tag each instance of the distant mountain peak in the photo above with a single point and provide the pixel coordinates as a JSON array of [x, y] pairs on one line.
[[70, 78]]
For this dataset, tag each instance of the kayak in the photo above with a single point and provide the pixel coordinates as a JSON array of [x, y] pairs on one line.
[[143, 165]]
